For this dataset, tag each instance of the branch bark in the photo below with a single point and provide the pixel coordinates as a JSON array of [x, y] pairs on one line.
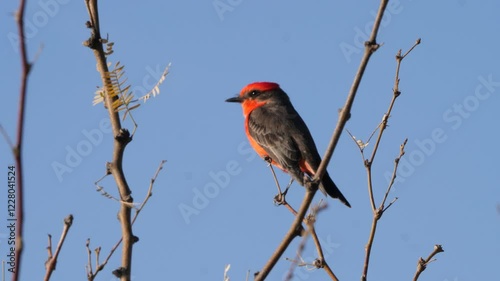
[[17, 149], [50, 264], [121, 139], [422, 264]]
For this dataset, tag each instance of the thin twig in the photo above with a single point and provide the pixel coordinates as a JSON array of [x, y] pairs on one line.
[[49, 249], [295, 262], [394, 173], [390, 204], [97, 254], [290, 235], [370, 47], [310, 221], [50, 264], [150, 190], [378, 212], [320, 262], [149, 193], [90, 274], [17, 149], [422, 264]]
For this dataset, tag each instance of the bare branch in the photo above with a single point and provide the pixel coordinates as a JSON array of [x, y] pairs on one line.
[[121, 139], [378, 212], [17, 149], [50, 264], [422, 264], [100, 266], [295, 262], [417, 42], [290, 235], [150, 190], [320, 262], [49, 249], [90, 274], [390, 204], [370, 47], [394, 174]]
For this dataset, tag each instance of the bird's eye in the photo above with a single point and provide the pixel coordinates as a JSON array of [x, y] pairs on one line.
[[253, 94]]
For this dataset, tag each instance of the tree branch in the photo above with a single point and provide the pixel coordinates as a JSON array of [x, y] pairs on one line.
[[17, 149], [50, 264], [290, 235], [320, 261], [370, 47], [121, 139], [378, 212], [100, 266], [422, 264]]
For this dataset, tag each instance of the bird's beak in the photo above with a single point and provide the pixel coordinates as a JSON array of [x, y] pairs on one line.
[[235, 99]]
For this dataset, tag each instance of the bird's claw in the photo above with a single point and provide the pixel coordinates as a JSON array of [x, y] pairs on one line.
[[279, 199], [268, 160]]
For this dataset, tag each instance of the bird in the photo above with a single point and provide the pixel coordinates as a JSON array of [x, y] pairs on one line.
[[278, 134]]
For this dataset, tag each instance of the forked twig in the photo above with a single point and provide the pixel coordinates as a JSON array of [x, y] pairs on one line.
[[422, 264], [50, 264], [100, 266], [319, 262], [378, 211], [370, 47]]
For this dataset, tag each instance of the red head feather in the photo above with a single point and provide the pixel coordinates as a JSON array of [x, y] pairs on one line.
[[260, 86]]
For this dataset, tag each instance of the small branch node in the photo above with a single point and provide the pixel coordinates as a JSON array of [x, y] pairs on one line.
[[119, 272], [422, 264], [123, 136], [319, 263]]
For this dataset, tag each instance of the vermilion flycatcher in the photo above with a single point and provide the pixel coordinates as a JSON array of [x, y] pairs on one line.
[[276, 131]]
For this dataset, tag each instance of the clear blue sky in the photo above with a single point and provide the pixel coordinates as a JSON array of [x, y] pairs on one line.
[[448, 183]]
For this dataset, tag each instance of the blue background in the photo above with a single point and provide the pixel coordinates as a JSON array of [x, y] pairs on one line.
[[448, 180]]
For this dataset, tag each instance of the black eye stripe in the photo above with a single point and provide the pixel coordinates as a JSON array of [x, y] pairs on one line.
[[254, 93]]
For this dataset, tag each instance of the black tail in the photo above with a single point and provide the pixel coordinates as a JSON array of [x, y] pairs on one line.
[[327, 186]]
